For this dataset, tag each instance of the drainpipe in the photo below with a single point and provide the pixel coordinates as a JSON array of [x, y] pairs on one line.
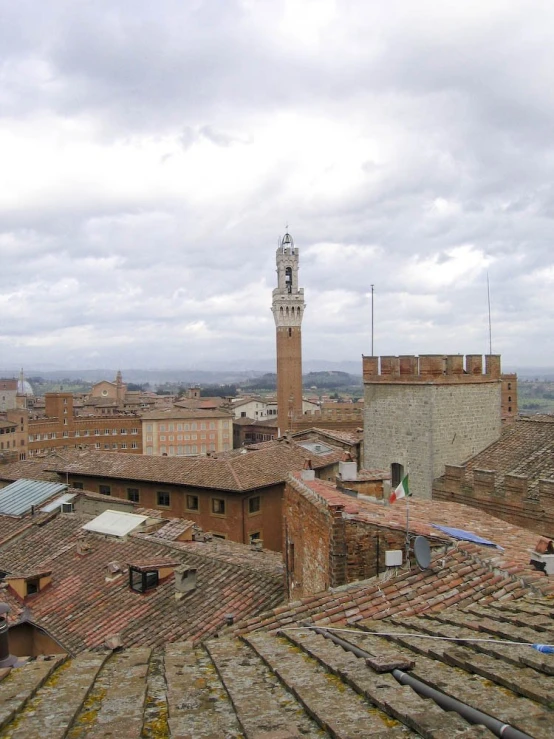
[[472, 715], [6, 659]]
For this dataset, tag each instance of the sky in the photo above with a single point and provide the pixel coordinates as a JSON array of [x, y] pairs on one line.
[[152, 154]]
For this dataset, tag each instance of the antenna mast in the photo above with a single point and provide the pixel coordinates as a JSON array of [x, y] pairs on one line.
[[372, 290], [489, 303]]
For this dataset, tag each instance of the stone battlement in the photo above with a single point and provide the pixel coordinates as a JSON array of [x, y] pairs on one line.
[[431, 368]]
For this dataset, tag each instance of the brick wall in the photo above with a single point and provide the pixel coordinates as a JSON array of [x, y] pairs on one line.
[[324, 548], [237, 523], [424, 421], [508, 497]]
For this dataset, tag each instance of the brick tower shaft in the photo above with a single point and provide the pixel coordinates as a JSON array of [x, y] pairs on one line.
[[288, 310]]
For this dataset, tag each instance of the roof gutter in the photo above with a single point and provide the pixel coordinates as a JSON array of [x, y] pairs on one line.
[[470, 714]]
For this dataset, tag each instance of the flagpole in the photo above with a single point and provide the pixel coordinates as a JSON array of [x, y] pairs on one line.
[[408, 529]]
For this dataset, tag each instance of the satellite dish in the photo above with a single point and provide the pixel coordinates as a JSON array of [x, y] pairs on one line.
[[422, 552]]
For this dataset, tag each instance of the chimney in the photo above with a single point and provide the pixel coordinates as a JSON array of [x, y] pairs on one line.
[[6, 659], [307, 473], [257, 545], [185, 581]]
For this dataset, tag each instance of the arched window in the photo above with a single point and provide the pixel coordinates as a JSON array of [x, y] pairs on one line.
[[288, 279]]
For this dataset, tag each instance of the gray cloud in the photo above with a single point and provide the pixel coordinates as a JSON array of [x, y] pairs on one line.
[[153, 153]]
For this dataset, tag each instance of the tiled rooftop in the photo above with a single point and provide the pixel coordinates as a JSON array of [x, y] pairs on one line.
[[80, 608], [282, 679], [238, 472], [515, 541], [526, 447]]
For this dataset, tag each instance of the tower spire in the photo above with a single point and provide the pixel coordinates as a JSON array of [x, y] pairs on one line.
[[288, 310]]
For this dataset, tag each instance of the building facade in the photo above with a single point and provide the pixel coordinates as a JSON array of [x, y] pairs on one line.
[[178, 432], [422, 413], [61, 429], [288, 310]]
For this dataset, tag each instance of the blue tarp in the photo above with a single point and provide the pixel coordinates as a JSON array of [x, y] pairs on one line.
[[466, 536]]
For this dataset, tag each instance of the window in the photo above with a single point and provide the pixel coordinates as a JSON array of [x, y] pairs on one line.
[[114, 446], [171, 427], [164, 499], [162, 426], [123, 432], [140, 582], [104, 490], [133, 495], [106, 446], [86, 433], [65, 421], [193, 427], [192, 502], [243, 414], [124, 445], [148, 427], [219, 536], [97, 445], [149, 437], [149, 450], [77, 433], [97, 432], [254, 504], [114, 432], [509, 386], [77, 484], [212, 425], [106, 432], [218, 506], [32, 586], [134, 431], [254, 535], [203, 426], [179, 427], [162, 437], [163, 449], [187, 426], [397, 473], [134, 445]]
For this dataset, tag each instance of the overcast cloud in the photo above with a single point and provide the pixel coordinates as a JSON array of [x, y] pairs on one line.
[[152, 152]]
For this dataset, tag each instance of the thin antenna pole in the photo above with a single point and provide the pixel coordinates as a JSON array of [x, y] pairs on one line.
[[372, 322], [490, 324]]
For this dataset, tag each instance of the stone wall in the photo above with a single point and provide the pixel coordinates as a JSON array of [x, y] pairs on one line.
[[426, 417]]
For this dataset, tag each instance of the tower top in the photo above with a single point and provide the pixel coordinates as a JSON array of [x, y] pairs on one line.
[[287, 241]]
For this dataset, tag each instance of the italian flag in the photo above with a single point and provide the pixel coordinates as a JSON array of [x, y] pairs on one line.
[[402, 491]]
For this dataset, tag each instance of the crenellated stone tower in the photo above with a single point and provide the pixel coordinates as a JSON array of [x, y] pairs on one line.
[[288, 309]]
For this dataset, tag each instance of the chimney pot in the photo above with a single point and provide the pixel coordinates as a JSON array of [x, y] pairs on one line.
[[6, 659]]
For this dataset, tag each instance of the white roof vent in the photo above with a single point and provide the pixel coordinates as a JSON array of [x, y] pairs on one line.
[[115, 523]]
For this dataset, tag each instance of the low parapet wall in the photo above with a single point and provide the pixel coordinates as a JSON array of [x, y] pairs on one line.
[[513, 498], [432, 368]]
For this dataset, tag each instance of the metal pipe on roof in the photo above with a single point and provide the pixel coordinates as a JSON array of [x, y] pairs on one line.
[[470, 714]]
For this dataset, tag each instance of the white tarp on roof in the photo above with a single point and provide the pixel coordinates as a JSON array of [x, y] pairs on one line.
[[57, 503], [115, 523]]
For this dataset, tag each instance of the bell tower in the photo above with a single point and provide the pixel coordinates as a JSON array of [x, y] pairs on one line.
[[288, 309]]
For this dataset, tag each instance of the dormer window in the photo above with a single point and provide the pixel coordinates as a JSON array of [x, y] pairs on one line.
[[29, 584], [145, 576], [141, 581]]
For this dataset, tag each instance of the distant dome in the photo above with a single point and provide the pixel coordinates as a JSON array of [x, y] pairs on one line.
[[24, 388]]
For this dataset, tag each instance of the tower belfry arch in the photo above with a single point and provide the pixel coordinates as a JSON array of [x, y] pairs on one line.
[[288, 310]]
